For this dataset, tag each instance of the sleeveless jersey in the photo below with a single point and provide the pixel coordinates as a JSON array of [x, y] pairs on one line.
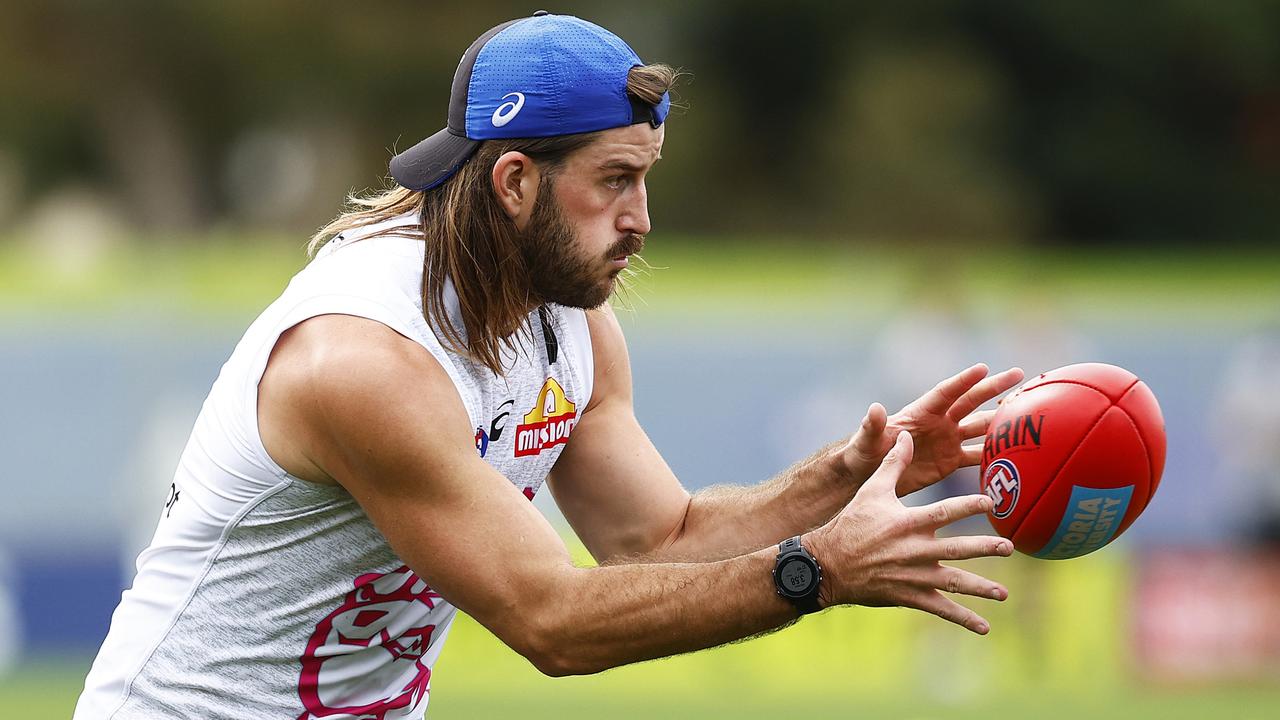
[[266, 596]]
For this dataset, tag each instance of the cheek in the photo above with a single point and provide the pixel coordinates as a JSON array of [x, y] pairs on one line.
[[591, 213], [588, 203]]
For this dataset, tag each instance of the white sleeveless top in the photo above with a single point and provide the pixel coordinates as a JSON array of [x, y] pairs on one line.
[[265, 596]]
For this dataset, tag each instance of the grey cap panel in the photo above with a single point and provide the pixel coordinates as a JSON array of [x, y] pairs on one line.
[[432, 161]]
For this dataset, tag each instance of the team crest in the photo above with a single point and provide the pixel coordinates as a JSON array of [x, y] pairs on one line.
[[549, 422], [366, 657], [1002, 486]]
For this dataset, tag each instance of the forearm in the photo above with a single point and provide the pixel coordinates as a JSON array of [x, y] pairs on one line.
[[729, 520], [603, 617]]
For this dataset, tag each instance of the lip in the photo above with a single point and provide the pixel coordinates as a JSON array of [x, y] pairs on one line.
[[621, 262]]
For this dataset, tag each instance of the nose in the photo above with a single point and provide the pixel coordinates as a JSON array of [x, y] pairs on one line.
[[635, 215]]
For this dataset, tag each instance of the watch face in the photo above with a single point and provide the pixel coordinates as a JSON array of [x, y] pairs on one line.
[[796, 576]]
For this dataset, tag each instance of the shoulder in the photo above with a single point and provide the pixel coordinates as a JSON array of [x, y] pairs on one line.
[[337, 384], [337, 349], [611, 361], [345, 358]]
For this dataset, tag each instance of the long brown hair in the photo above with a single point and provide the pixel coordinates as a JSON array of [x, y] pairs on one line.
[[471, 240]]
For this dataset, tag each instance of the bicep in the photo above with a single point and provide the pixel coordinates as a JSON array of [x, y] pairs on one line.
[[473, 537], [385, 422], [610, 482]]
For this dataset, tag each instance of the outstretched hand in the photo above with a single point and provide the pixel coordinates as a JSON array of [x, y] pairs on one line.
[[939, 422], [877, 552]]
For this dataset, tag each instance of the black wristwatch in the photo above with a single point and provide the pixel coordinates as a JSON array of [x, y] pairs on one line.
[[796, 575]]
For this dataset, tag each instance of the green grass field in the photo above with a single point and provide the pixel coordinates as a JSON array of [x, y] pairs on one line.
[[48, 692]]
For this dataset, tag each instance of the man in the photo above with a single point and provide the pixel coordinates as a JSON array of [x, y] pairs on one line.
[[363, 464]]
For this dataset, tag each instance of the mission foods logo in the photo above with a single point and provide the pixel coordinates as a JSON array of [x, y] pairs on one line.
[[549, 422]]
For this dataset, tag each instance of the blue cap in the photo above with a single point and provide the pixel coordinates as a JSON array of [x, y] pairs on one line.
[[539, 76]]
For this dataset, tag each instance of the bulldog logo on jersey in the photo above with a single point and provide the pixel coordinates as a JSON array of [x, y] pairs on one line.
[[549, 422], [365, 658]]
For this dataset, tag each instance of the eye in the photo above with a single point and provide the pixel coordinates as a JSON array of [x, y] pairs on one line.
[[616, 182]]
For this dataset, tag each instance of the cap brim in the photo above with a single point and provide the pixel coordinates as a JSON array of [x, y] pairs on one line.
[[432, 161]]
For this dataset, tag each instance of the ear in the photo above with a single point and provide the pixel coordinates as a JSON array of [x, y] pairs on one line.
[[515, 181]]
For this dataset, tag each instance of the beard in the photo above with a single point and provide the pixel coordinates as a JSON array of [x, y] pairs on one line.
[[558, 272]]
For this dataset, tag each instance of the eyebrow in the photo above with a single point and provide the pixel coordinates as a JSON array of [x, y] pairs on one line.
[[627, 165]]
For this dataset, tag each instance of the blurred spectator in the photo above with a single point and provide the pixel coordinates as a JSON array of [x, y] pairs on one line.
[[10, 625], [1246, 429], [1034, 334], [72, 229], [932, 337]]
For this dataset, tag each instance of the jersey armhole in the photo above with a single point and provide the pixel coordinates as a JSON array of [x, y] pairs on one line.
[[579, 346]]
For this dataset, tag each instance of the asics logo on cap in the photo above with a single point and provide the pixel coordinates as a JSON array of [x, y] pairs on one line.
[[508, 110]]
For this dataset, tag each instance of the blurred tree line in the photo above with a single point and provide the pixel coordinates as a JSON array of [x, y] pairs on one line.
[[935, 119]]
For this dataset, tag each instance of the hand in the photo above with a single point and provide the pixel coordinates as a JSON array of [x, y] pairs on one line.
[[939, 421], [877, 552]]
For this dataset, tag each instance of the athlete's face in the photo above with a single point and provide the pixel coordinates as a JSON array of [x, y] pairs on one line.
[[599, 214]]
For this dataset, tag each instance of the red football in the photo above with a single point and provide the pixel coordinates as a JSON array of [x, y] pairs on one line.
[[1072, 458]]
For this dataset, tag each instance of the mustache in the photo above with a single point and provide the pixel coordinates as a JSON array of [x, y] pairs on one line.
[[630, 245]]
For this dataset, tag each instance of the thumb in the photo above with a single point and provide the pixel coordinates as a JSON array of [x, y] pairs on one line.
[[885, 478], [868, 440], [873, 424]]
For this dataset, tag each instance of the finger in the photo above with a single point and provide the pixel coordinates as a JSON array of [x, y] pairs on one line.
[[949, 610], [967, 547], [970, 455], [976, 424], [885, 478], [962, 582], [949, 510], [946, 393], [984, 391]]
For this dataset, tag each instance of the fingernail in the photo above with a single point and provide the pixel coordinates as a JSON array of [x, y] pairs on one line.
[[984, 628]]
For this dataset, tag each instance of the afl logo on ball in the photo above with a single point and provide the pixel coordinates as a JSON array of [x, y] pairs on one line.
[[1001, 483]]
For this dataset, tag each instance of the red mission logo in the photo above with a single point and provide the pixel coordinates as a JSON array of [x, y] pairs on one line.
[[549, 422]]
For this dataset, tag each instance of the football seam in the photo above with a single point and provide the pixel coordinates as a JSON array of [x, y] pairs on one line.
[[1110, 404], [1095, 388], [1070, 455], [1151, 469]]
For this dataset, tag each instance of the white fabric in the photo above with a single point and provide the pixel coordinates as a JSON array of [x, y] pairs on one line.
[[262, 595]]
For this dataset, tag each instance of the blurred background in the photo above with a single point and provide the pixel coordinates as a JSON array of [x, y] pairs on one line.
[[855, 201]]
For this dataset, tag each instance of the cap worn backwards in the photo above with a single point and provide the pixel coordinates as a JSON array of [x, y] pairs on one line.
[[540, 76]]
